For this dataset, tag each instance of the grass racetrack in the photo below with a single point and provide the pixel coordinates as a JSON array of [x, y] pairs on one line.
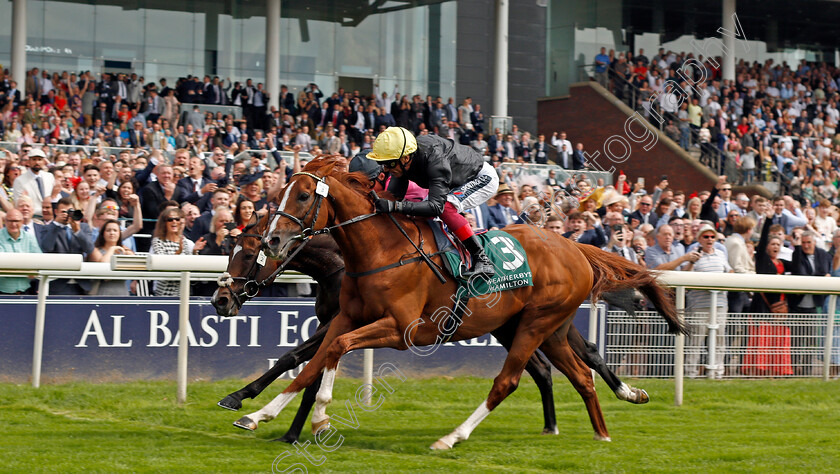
[[724, 426]]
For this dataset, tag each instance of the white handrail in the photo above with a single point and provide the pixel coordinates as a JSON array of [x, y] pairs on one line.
[[188, 263], [751, 282], [32, 261]]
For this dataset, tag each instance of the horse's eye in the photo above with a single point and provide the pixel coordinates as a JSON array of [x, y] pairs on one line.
[[303, 197]]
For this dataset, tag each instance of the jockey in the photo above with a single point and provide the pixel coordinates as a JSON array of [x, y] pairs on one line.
[[456, 176]]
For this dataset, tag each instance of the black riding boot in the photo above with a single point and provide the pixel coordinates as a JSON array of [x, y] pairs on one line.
[[481, 263]]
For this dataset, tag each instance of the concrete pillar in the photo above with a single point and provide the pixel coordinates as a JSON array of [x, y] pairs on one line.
[[500, 76], [18, 66], [272, 52], [729, 40]]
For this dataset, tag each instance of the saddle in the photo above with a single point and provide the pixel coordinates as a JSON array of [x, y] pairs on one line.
[[506, 253]]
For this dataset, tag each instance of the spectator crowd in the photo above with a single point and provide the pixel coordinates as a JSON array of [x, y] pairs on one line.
[[774, 122]]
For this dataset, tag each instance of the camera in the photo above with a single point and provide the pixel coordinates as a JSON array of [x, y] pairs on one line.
[[617, 227], [75, 214], [230, 226]]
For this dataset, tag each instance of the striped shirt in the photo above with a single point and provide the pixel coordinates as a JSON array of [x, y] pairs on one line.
[[169, 247], [712, 263]]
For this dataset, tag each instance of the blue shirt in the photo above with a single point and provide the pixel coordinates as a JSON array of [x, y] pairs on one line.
[[604, 60], [655, 256], [25, 243]]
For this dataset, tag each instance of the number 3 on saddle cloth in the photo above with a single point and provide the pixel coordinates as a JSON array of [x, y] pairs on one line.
[[506, 254]]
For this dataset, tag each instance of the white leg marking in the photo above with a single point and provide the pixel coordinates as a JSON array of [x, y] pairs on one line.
[[623, 392], [324, 396], [273, 408], [281, 208], [463, 432]]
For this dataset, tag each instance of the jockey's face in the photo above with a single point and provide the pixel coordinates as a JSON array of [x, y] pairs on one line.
[[379, 182], [398, 170]]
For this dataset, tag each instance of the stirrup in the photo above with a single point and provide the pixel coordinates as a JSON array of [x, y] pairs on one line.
[[480, 267]]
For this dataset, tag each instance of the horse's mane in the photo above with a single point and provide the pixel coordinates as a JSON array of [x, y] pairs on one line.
[[357, 181]]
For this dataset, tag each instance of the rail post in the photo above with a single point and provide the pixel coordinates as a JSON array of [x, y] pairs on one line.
[[713, 329], [368, 377], [829, 337], [183, 341], [593, 328], [679, 350], [40, 315]]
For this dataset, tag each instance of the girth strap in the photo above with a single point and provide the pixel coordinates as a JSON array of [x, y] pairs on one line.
[[456, 316]]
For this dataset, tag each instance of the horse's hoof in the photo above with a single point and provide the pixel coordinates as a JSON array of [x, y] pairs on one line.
[[598, 437], [641, 397], [230, 403], [245, 423], [550, 431], [440, 446], [320, 425], [287, 438]]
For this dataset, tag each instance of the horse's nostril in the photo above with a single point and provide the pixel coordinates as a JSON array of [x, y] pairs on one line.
[[222, 302], [275, 241]]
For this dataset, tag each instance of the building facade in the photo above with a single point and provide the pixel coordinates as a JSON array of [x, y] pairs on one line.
[[442, 48]]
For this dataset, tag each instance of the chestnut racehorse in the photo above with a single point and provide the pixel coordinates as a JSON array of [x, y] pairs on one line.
[[393, 308], [321, 259]]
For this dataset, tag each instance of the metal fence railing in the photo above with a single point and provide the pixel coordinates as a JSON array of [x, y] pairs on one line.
[[748, 345], [53, 150], [87, 149], [539, 173]]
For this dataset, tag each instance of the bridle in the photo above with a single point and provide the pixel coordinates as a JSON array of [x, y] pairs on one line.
[[252, 286], [322, 190]]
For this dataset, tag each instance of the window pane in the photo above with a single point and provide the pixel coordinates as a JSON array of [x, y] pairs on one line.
[[119, 32]]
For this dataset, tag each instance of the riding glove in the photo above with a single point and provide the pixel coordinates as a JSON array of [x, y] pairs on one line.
[[386, 206]]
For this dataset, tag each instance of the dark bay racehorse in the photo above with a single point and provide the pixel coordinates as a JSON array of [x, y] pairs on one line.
[[321, 259], [393, 308]]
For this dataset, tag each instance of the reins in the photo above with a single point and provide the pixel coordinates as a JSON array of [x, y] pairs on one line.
[[423, 255], [307, 232]]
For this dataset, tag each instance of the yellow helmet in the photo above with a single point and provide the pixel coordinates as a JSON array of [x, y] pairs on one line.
[[392, 144]]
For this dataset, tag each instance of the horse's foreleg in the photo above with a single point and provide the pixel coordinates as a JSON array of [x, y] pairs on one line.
[[288, 361], [540, 370], [300, 418], [340, 325], [380, 333], [588, 352], [558, 351]]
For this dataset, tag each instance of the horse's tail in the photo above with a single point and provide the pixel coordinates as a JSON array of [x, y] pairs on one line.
[[613, 273]]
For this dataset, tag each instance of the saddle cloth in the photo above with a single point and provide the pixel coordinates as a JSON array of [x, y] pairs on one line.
[[506, 253]]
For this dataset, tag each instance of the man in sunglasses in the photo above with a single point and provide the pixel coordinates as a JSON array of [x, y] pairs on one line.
[[457, 177], [66, 235], [699, 303]]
